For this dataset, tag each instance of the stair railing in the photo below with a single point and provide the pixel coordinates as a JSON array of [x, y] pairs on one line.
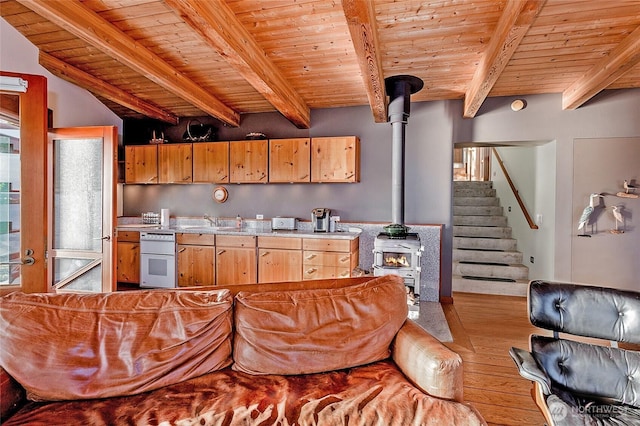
[[527, 216]]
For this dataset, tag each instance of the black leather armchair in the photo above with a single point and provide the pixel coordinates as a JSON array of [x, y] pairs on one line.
[[578, 383]]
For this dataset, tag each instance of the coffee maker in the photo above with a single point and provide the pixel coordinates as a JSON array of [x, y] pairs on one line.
[[321, 218]]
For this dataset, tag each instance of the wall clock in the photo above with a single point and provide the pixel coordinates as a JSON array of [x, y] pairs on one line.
[[220, 194]]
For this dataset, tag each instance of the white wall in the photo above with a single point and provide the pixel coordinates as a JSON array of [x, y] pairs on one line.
[[71, 105]]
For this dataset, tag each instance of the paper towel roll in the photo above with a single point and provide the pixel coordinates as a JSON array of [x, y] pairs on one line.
[[164, 217]]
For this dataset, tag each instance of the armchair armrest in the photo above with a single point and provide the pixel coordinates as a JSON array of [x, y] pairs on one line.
[[529, 368], [12, 395], [429, 364]]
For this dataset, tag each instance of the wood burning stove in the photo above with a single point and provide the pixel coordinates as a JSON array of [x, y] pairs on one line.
[[398, 256], [397, 251]]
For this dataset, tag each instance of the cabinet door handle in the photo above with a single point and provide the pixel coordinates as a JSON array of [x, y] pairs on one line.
[[266, 253], [311, 256], [181, 250], [344, 259], [221, 251], [345, 274], [311, 271]]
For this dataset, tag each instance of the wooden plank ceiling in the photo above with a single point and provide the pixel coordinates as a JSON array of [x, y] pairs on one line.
[[170, 59]]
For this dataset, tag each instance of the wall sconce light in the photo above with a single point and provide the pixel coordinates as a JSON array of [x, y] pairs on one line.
[[13, 84], [518, 104]]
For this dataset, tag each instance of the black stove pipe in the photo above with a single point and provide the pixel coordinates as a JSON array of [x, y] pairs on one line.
[[399, 89]]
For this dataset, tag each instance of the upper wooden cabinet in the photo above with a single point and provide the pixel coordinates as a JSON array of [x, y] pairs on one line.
[[175, 163], [248, 161], [141, 163], [289, 160], [211, 162], [335, 159]]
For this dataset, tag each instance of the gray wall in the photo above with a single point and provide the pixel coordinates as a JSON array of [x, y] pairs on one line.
[[433, 128]]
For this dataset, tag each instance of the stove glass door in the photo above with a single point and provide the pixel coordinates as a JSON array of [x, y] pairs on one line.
[[392, 259]]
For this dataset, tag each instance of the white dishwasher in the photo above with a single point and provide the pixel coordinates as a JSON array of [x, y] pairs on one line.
[[157, 259]]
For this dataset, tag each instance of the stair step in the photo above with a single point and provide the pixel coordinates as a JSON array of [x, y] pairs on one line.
[[503, 244], [480, 220], [470, 192], [459, 184], [482, 231], [476, 201], [517, 288], [508, 257], [515, 271], [478, 211]]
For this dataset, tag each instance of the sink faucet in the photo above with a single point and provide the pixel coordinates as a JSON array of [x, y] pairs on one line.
[[213, 221]]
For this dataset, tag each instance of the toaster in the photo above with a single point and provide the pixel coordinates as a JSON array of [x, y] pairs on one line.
[[284, 223]]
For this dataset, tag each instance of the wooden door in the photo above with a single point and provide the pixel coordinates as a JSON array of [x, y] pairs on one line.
[[23, 191], [128, 262], [335, 159], [141, 163], [196, 265], [248, 161], [211, 162], [275, 265], [236, 265], [290, 160], [174, 163]]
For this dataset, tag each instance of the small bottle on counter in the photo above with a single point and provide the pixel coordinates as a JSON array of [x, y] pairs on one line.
[[238, 222]]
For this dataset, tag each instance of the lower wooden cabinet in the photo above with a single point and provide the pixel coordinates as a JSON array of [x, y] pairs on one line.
[[128, 257], [236, 260], [279, 259], [329, 258], [196, 260]]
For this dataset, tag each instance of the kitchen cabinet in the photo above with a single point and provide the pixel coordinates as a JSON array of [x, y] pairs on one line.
[[290, 160], [335, 159], [141, 163], [175, 163], [329, 258], [128, 257], [211, 162], [196, 259], [236, 260], [279, 259], [248, 161]]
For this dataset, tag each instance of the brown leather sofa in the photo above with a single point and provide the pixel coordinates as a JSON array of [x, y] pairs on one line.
[[335, 352]]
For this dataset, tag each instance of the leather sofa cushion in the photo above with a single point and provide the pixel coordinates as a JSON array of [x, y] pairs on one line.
[[375, 394], [79, 346], [311, 331]]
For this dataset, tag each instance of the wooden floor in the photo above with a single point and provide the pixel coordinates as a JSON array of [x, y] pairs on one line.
[[484, 327]]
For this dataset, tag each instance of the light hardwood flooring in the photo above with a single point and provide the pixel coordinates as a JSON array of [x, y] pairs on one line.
[[484, 327]]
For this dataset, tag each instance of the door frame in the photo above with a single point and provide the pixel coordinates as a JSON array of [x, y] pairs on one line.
[[109, 135], [33, 117]]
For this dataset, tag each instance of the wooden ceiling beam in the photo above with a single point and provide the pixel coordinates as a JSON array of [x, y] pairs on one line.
[[87, 25], [102, 88], [515, 21], [222, 30], [621, 59], [361, 18]]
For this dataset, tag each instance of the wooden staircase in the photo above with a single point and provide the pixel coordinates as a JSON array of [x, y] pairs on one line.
[[485, 256]]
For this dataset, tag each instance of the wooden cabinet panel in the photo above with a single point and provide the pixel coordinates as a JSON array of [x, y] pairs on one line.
[[290, 160], [276, 265], [211, 162], [280, 242], [196, 265], [128, 267], [174, 163], [327, 258], [335, 159], [141, 163], [317, 272], [196, 239], [236, 241], [248, 161], [236, 265], [327, 244]]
